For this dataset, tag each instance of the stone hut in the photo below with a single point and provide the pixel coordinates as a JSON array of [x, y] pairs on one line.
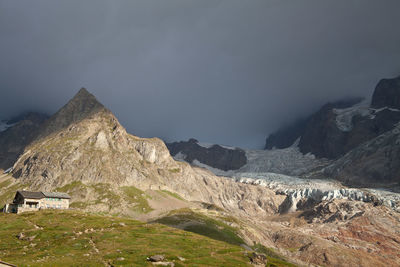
[[33, 201]]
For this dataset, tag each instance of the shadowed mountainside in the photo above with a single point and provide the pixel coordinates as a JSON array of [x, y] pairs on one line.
[[215, 156], [340, 127], [14, 140]]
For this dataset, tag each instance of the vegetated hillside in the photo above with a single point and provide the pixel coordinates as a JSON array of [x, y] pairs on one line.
[[70, 238]]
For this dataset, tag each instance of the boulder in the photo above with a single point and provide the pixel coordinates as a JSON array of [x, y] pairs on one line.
[[258, 259], [156, 258]]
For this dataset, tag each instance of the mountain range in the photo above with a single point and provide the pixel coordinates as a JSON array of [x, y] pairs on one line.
[[295, 199], [339, 135]]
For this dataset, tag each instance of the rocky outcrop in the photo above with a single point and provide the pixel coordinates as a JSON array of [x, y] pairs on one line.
[[321, 136], [375, 163], [215, 156], [335, 211], [286, 136], [387, 94]]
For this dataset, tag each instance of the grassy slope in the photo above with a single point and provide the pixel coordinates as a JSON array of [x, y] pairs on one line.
[[135, 198], [203, 225], [60, 253], [198, 223], [61, 240], [273, 258]]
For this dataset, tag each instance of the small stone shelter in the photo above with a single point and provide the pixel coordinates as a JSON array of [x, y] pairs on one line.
[[33, 201]]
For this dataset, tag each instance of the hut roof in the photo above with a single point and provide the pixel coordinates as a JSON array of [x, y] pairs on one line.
[[29, 194], [56, 195]]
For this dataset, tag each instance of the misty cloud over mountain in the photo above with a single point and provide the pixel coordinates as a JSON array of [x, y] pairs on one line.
[[227, 72]]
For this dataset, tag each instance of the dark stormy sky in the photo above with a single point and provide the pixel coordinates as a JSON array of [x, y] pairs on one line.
[[225, 72]]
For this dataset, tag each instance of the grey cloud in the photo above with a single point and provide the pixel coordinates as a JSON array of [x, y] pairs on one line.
[[226, 71]]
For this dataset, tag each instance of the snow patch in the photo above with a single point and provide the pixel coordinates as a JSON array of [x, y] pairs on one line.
[[208, 145], [344, 117], [205, 145], [180, 157]]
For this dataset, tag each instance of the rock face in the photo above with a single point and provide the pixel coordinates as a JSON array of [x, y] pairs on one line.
[[215, 156], [321, 136], [80, 107], [24, 130], [334, 131], [374, 163], [387, 94], [286, 136], [318, 133], [340, 127]]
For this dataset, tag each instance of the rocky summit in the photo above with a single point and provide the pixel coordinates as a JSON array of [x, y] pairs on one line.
[[263, 217]]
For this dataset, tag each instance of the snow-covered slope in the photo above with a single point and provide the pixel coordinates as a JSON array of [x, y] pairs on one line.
[[288, 161], [344, 117]]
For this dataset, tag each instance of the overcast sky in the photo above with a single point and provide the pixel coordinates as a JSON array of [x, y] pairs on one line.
[[226, 72]]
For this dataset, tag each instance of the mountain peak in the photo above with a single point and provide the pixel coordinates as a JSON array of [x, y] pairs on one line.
[[81, 106], [84, 95], [83, 90]]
